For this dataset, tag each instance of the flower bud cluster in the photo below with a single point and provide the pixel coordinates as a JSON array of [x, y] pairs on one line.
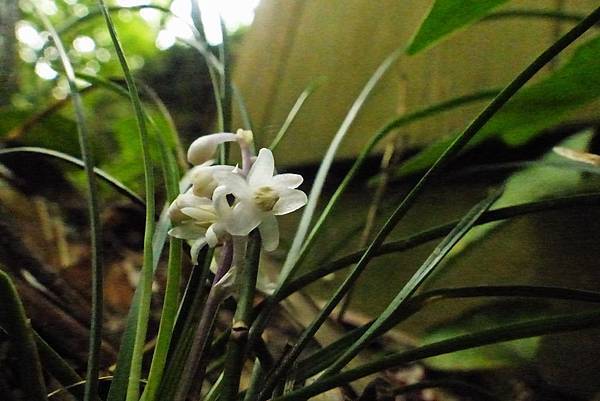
[[224, 201]]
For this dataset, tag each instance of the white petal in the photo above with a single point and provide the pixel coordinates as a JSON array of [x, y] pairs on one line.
[[288, 180], [262, 169], [211, 237], [187, 231], [235, 184], [195, 249], [203, 148], [220, 202], [244, 218], [188, 199], [204, 214], [269, 233], [289, 200]]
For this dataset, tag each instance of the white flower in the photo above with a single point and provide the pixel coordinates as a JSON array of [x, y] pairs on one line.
[[200, 220], [260, 197]]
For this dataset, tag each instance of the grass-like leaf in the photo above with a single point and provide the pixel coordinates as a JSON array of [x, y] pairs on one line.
[[416, 280], [533, 328], [458, 143], [171, 298], [396, 123], [109, 179], [186, 321], [294, 112], [91, 385], [448, 16], [535, 14], [55, 365], [321, 359], [134, 374], [17, 327], [319, 181], [583, 200]]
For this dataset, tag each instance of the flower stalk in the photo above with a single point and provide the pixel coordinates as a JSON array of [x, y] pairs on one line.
[[236, 346], [192, 369]]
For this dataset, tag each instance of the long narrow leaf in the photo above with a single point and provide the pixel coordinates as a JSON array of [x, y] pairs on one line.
[[315, 192], [459, 142], [109, 179], [425, 236], [321, 359], [55, 365], [294, 112], [534, 14], [368, 148], [87, 155], [142, 317], [15, 323], [418, 278], [533, 328], [171, 298]]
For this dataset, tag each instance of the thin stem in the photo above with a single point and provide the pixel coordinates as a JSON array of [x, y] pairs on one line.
[[91, 385], [133, 387], [202, 336], [236, 347]]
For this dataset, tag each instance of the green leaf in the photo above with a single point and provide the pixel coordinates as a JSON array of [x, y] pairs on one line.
[[513, 331], [301, 243], [535, 108], [322, 358], [294, 112], [532, 184], [134, 370], [16, 123], [87, 156], [501, 355], [448, 16], [18, 329], [116, 184], [403, 296]]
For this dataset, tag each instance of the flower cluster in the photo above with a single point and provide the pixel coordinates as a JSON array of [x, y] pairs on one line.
[[224, 201]]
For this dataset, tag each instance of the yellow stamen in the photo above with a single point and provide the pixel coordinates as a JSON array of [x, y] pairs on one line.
[[266, 198]]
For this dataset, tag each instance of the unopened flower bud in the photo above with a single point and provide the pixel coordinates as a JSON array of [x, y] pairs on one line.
[[203, 180], [204, 148]]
